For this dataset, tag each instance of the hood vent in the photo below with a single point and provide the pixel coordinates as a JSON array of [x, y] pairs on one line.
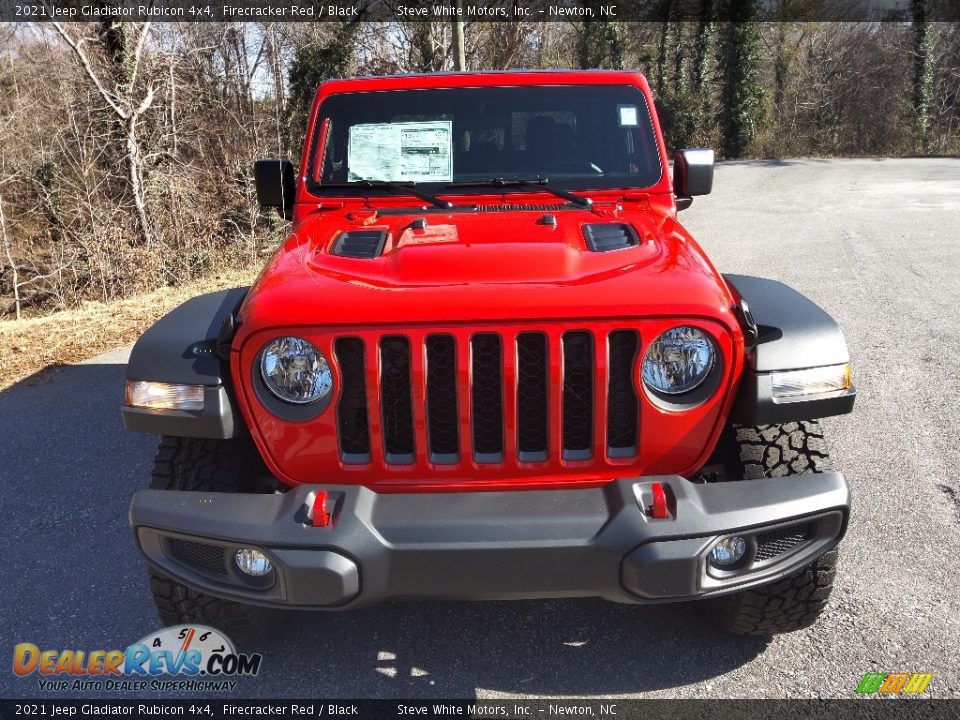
[[602, 237], [362, 244]]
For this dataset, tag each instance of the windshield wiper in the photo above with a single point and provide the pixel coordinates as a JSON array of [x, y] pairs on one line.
[[406, 187], [537, 183]]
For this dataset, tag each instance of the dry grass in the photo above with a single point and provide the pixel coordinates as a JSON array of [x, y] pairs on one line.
[[29, 346]]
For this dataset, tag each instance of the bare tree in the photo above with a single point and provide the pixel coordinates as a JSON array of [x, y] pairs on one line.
[[8, 252], [128, 110]]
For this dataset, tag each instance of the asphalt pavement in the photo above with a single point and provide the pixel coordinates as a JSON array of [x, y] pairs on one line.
[[875, 242]]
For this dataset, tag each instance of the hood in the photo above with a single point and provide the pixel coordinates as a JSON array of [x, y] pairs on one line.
[[481, 266]]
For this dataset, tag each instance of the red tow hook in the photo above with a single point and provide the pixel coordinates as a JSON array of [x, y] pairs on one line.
[[659, 511], [319, 515]]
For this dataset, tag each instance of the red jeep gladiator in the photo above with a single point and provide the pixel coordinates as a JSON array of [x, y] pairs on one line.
[[490, 363]]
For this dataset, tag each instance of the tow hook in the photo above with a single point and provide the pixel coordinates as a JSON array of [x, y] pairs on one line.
[[656, 501]]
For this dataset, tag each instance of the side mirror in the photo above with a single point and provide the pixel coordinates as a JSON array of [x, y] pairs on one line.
[[276, 186], [692, 175]]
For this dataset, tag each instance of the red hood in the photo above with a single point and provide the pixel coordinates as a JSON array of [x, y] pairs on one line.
[[485, 266]]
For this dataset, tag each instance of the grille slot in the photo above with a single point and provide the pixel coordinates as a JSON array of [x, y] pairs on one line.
[[622, 400], [210, 559], [361, 244], [442, 427], [577, 395], [352, 426], [603, 237], [396, 406], [487, 397], [532, 393], [777, 542]]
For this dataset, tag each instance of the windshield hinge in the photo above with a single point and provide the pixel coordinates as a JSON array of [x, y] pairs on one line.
[[642, 199], [606, 207]]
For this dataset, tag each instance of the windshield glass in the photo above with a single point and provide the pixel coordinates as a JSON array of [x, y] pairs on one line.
[[578, 136]]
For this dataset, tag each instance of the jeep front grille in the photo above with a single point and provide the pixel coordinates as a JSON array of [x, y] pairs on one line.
[[491, 398]]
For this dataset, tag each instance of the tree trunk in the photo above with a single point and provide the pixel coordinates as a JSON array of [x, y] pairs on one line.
[[135, 176], [741, 93], [781, 66], [922, 70], [13, 266], [680, 74], [662, 56], [702, 45], [459, 56]]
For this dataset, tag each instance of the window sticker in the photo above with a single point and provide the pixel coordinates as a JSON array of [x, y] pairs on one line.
[[628, 115], [401, 152]]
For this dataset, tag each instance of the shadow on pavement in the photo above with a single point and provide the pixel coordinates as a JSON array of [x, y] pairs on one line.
[[67, 471]]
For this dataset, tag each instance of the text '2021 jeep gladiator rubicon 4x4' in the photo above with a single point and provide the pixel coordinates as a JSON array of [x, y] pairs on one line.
[[489, 363]]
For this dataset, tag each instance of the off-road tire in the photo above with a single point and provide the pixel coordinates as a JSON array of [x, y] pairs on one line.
[[210, 466], [795, 602], [795, 448]]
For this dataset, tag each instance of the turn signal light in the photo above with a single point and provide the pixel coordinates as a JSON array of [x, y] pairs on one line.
[[796, 384], [164, 396]]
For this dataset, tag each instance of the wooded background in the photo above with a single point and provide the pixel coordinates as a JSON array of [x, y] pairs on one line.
[[126, 149]]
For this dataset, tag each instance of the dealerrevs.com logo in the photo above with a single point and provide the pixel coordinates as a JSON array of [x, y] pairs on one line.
[[902, 683], [182, 657]]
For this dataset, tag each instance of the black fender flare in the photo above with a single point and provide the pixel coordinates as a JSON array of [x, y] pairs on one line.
[[792, 333], [184, 347]]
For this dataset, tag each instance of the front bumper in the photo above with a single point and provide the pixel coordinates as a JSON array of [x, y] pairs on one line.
[[491, 545]]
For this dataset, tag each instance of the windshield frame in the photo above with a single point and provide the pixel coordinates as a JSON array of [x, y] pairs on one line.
[[316, 146]]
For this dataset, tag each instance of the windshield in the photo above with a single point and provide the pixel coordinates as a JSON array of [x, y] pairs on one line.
[[578, 136]]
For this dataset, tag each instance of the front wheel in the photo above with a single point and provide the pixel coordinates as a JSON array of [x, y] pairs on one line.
[[795, 602], [209, 466]]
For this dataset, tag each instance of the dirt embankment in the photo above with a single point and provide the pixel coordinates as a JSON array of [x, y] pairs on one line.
[[29, 346]]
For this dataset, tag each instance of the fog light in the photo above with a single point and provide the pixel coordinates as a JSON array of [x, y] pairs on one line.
[[728, 551], [253, 562]]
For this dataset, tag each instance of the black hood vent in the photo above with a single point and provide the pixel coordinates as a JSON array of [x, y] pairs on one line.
[[362, 244], [602, 237]]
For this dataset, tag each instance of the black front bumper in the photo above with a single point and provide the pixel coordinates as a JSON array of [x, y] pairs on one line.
[[491, 545]]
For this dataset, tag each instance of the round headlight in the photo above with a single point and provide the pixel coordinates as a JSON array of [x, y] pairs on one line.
[[295, 371], [678, 361]]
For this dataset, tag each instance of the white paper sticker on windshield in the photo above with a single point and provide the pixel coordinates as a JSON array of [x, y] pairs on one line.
[[628, 115], [401, 152]]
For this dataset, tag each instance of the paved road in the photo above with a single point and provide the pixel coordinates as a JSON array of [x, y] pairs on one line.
[[877, 243]]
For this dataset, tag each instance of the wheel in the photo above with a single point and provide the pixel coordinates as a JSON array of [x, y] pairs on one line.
[[795, 602], [211, 466]]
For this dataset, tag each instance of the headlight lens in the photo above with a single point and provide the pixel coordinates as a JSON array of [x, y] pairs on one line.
[[678, 361], [295, 371]]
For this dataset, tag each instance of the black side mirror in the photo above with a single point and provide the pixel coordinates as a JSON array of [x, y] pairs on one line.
[[276, 186], [692, 175]]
